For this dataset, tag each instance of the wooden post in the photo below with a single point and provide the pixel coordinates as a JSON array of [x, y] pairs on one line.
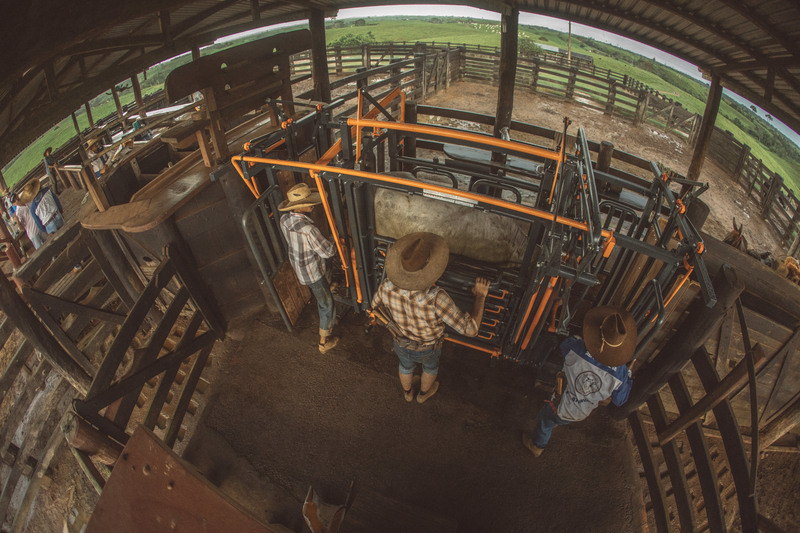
[[462, 62], [740, 165], [366, 59], [668, 125], [319, 56], [700, 324], [117, 103], [507, 75], [447, 68], [410, 144], [137, 94], [604, 164], [706, 129], [641, 108], [768, 196], [395, 73], [573, 74], [612, 97], [3, 184], [419, 75], [17, 311], [535, 74], [338, 50], [75, 123], [85, 437], [89, 117]]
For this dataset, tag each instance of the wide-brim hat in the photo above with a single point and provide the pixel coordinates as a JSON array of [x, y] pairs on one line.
[[29, 192], [416, 261], [610, 335], [301, 195]]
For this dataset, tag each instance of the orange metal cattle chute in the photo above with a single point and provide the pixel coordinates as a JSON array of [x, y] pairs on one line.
[[566, 244]]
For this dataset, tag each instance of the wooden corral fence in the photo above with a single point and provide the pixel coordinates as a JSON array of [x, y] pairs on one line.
[[777, 204], [583, 83], [138, 342]]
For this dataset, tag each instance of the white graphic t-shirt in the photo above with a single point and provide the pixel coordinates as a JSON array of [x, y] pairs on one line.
[[589, 382]]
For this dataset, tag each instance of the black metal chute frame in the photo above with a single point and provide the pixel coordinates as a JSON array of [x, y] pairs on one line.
[[570, 255]]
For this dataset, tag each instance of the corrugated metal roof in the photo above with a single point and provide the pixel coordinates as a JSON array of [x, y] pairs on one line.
[[749, 43]]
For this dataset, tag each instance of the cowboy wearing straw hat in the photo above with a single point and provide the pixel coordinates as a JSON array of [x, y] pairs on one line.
[[420, 310], [307, 249], [595, 370], [25, 216]]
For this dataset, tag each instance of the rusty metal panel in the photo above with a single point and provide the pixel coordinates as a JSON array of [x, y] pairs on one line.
[[152, 489]]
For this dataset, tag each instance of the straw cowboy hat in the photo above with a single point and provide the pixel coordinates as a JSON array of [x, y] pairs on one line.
[[610, 335], [301, 195], [29, 192], [417, 260]]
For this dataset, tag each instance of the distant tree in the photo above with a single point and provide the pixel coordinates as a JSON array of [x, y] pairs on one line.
[[354, 40], [528, 47], [769, 117], [755, 110], [360, 22], [436, 21], [338, 24]]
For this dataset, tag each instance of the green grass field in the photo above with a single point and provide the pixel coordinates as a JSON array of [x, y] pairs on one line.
[[690, 93]]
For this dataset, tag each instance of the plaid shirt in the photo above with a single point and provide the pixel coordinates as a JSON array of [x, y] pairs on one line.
[[307, 247], [421, 315]]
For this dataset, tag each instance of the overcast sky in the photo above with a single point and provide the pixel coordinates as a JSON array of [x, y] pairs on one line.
[[560, 25]]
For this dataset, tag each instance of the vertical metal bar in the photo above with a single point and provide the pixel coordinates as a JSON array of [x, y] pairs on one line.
[[336, 203], [358, 245]]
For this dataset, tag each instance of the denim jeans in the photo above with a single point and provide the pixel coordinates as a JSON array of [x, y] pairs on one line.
[[55, 224], [546, 420], [37, 239], [428, 358], [325, 304]]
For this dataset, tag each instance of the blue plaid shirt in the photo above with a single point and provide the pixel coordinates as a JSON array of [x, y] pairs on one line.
[[307, 247]]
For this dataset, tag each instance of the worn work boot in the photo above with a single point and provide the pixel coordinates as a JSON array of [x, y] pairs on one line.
[[528, 442], [330, 342], [414, 388], [422, 397]]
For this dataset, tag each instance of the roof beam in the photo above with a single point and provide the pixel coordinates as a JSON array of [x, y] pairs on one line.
[[747, 11], [115, 43], [192, 21], [787, 62]]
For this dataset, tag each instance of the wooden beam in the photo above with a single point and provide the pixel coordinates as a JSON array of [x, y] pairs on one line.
[[657, 497], [117, 103], [255, 9], [52, 83], [319, 56], [94, 47], [743, 66], [192, 21], [89, 116], [769, 87], [704, 464], [137, 94], [778, 427], [26, 322], [706, 129], [164, 25], [75, 123], [693, 333], [508, 71], [734, 381], [732, 440]]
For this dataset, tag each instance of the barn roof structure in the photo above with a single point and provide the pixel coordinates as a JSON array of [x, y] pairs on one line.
[[58, 55]]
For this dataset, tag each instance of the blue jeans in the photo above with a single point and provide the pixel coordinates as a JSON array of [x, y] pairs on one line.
[[37, 239], [55, 224], [546, 420], [325, 304], [428, 358]]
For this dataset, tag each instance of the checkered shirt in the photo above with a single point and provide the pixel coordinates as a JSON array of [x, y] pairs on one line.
[[307, 247], [421, 315]]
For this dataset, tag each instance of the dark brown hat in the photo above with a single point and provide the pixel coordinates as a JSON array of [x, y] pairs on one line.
[[610, 335], [417, 260]]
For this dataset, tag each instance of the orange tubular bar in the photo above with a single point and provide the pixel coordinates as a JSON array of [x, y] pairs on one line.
[[355, 274], [538, 213], [539, 312], [527, 314], [452, 134], [493, 353]]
